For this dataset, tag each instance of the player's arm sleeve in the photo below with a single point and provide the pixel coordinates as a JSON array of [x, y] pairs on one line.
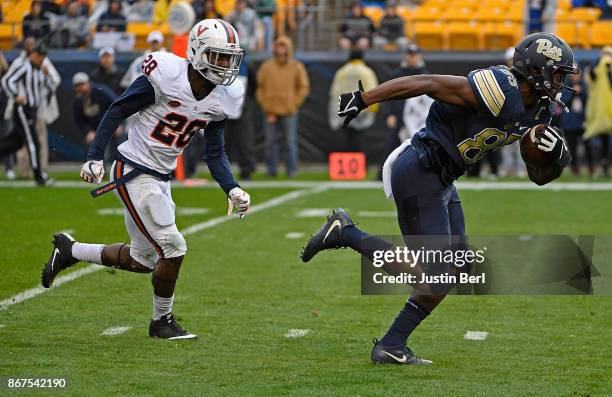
[[491, 89], [139, 95], [215, 156]]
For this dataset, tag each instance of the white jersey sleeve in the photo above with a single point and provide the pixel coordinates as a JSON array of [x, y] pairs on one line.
[[231, 101], [162, 69]]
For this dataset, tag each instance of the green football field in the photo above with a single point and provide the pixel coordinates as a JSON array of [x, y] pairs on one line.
[[243, 289]]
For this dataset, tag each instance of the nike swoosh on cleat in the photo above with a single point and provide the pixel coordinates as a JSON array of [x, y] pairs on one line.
[[55, 252], [399, 360], [333, 225]]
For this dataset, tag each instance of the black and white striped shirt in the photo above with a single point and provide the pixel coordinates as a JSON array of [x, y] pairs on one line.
[[26, 75]]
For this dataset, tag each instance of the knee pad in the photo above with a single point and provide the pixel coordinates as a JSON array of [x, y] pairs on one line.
[[174, 244]]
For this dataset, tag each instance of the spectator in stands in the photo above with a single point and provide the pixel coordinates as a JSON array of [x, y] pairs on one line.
[[391, 29], [72, 30], [107, 72], [405, 118], [572, 122], [139, 11], [112, 20], [246, 22], [83, 6], [266, 9], [35, 24], [91, 102], [345, 79], [598, 121], [156, 43], [47, 113], [205, 9], [356, 29], [282, 87], [239, 129], [541, 15]]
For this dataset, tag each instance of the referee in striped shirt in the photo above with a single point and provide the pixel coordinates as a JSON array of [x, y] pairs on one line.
[[24, 85]]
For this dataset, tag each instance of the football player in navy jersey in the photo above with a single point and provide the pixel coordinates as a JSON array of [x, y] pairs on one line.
[[470, 117]]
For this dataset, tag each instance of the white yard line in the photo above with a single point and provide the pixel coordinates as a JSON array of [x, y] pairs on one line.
[[475, 335], [114, 331], [32, 292], [347, 185], [297, 333]]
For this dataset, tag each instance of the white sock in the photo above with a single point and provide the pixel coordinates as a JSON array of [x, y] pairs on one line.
[[90, 253], [161, 306]]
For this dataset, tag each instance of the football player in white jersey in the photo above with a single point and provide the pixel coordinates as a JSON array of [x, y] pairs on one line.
[[173, 99]]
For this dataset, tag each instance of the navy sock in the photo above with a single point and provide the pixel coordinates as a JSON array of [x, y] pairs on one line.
[[406, 321], [363, 243]]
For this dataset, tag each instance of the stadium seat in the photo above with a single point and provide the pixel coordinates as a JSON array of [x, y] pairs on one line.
[[9, 34], [464, 35], [16, 11], [492, 14], [407, 14], [500, 36], [567, 31], [375, 13], [505, 4], [585, 14], [142, 29], [562, 15], [430, 35], [427, 14], [459, 14], [601, 33], [473, 4], [564, 4]]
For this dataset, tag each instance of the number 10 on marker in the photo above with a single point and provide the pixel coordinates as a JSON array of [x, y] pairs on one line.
[[347, 165]]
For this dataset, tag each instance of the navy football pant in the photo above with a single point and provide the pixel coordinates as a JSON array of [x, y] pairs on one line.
[[425, 205]]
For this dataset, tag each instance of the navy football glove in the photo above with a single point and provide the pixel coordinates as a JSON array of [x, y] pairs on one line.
[[350, 104]]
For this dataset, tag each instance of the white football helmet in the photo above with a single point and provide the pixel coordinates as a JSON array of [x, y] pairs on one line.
[[211, 40]]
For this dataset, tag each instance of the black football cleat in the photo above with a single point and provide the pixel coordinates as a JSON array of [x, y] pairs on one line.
[[329, 236], [396, 355], [167, 328], [61, 258]]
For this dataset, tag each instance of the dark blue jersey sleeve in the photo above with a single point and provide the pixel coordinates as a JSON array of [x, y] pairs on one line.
[[215, 156], [139, 95], [496, 90]]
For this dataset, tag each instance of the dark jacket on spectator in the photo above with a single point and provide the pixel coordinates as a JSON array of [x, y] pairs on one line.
[[116, 21], [354, 28], [88, 110], [110, 79], [391, 27], [36, 27]]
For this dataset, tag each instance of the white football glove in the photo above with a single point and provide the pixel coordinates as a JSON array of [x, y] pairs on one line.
[[240, 199], [92, 171], [551, 141]]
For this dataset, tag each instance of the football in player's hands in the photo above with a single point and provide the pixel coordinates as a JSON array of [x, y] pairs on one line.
[[540, 145]]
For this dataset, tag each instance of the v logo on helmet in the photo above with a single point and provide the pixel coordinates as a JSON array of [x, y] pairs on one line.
[[202, 29], [546, 48]]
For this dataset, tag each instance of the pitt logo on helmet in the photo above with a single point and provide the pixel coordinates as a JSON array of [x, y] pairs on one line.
[[546, 48]]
